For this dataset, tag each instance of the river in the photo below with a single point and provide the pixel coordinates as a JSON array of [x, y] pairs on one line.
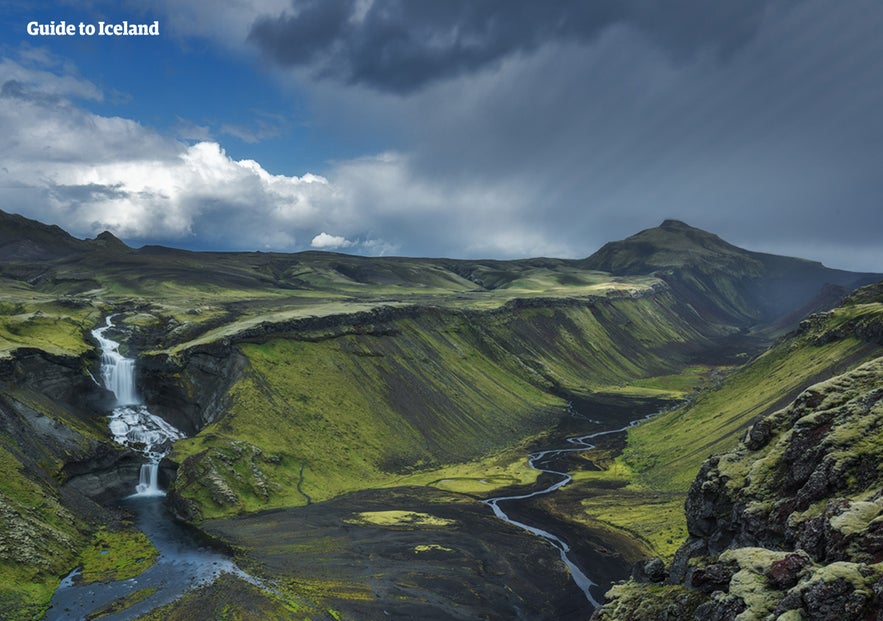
[[536, 460]]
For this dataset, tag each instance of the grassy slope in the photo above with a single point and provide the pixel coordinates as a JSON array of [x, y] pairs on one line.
[[415, 400], [30, 318], [643, 491], [39, 539]]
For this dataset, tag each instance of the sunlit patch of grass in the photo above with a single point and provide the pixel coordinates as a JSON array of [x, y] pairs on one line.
[[407, 519], [482, 477], [44, 324], [431, 547]]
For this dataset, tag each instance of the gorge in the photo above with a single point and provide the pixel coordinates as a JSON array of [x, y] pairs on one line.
[[350, 426]]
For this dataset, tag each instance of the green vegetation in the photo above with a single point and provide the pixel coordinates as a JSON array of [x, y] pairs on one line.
[[39, 321], [231, 599], [318, 414], [655, 601], [396, 517], [39, 539], [116, 555], [333, 416], [804, 488]]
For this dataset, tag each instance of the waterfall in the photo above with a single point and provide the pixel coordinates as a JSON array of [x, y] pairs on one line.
[[117, 371], [131, 423], [148, 480]]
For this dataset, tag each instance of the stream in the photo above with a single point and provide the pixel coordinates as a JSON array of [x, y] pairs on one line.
[[536, 461], [183, 563]]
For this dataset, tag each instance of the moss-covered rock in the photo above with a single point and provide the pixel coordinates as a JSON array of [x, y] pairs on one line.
[[788, 524]]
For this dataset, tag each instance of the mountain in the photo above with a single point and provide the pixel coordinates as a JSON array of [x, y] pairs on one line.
[[722, 281], [725, 285], [22, 239]]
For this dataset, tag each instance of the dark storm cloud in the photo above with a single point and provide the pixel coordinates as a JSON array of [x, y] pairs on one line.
[[771, 140], [401, 46]]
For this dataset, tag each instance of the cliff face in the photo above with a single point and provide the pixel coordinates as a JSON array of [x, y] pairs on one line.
[[51, 430], [787, 526]]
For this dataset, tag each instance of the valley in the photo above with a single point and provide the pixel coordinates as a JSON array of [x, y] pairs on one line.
[[348, 420]]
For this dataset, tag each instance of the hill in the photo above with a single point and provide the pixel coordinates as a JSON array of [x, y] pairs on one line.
[[722, 281]]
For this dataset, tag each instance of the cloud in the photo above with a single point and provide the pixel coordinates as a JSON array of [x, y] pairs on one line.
[[187, 129], [89, 172], [402, 46], [200, 193], [225, 21], [324, 241], [775, 144]]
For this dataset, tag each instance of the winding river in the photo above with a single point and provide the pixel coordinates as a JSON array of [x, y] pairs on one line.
[[536, 461], [183, 563]]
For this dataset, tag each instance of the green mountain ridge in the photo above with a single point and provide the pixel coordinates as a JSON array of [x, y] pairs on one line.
[[320, 386]]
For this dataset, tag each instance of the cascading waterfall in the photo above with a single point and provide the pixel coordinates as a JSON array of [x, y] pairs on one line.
[[131, 423], [183, 564]]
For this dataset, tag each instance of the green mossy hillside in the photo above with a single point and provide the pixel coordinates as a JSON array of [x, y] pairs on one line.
[[39, 540], [786, 525], [309, 421], [667, 451], [42, 526], [317, 415]]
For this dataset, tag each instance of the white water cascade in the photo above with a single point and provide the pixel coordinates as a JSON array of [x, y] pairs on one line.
[[130, 422]]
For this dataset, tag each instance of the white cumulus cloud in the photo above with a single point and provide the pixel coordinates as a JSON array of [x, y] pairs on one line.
[[324, 241], [63, 164]]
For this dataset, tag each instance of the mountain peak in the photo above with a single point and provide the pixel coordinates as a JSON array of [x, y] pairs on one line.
[[106, 238], [671, 245], [23, 239], [675, 224]]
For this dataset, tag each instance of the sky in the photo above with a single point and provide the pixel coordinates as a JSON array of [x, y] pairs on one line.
[[456, 128]]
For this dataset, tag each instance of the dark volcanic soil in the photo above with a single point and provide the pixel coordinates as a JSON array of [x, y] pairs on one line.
[[475, 567]]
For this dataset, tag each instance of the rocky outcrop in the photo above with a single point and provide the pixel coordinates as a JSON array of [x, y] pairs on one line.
[[52, 407], [68, 380], [790, 524], [190, 391]]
